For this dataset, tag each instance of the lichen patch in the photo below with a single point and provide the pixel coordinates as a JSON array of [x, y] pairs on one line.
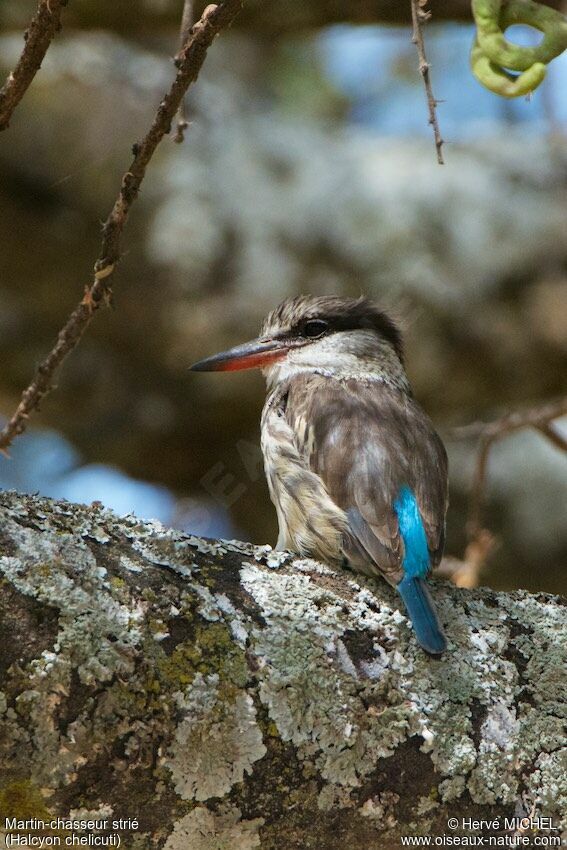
[[201, 829], [216, 743]]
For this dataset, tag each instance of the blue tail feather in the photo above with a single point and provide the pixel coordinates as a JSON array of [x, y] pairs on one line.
[[412, 587], [419, 605]]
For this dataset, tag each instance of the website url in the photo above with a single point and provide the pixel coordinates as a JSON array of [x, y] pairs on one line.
[[481, 841]]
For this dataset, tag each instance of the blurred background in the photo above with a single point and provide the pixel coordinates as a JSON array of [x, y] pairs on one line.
[[308, 166]]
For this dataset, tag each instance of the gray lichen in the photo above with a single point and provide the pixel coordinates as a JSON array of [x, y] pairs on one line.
[[203, 830], [217, 742], [230, 696]]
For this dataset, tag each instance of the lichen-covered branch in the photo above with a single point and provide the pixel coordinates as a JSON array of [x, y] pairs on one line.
[[223, 695], [43, 26], [189, 62]]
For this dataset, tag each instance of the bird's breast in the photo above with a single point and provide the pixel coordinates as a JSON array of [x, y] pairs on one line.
[[310, 523]]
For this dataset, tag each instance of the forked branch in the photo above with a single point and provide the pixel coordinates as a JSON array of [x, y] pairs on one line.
[[541, 418]]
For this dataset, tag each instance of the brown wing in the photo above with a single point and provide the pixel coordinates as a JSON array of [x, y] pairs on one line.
[[366, 440]]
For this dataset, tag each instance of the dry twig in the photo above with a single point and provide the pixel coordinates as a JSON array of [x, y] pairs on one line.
[[38, 36], [466, 572], [184, 33], [419, 16], [188, 62], [481, 541], [541, 418]]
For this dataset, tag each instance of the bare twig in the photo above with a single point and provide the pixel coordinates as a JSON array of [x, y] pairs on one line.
[[539, 418], [553, 436], [467, 572], [184, 33], [419, 16], [38, 36], [188, 62]]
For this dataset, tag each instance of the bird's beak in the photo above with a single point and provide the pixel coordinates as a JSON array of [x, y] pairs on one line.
[[249, 355]]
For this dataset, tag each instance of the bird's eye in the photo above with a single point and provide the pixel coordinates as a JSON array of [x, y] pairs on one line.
[[314, 328]]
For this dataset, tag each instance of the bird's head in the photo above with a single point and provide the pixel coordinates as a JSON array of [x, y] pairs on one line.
[[339, 337]]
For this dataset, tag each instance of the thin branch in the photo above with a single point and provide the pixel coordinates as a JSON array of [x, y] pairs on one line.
[[532, 417], [540, 418], [474, 522], [188, 63], [420, 16], [553, 436], [184, 33], [467, 572], [43, 26]]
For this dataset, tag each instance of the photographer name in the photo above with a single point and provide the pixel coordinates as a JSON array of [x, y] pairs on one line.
[[540, 824]]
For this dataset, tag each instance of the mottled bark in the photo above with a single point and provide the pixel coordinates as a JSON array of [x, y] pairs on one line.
[[227, 696]]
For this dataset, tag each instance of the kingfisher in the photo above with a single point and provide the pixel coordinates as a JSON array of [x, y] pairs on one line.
[[355, 468]]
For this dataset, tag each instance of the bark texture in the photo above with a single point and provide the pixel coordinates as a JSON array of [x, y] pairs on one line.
[[228, 696]]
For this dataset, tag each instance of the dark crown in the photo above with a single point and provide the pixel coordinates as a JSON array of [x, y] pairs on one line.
[[341, 314]]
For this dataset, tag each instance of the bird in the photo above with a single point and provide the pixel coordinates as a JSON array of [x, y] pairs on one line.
[[355, 469]]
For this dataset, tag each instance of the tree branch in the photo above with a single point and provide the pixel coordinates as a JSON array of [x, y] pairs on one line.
[[226, 695], [39, 35], [539, 417], [188, 62], [419, 16], [184, 33]]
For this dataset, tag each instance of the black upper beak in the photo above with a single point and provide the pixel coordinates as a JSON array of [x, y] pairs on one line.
[[249, 355]]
